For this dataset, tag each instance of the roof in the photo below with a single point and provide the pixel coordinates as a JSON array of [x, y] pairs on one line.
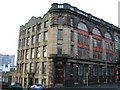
[[66, 6]]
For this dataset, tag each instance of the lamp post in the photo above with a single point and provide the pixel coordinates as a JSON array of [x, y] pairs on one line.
[[106, 71], [87, 78]]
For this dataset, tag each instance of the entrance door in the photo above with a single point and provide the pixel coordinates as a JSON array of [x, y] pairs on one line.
[[30, 82], [59, 74]]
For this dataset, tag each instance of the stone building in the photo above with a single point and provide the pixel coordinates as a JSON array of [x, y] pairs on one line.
[[68, 47]]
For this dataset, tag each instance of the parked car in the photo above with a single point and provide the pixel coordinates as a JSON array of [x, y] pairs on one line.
[[36, 87], [16, 86]]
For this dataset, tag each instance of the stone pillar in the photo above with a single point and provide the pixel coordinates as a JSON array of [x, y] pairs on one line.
[[76, 42], [66, 41], [91, 46], [113, 49], [103, 50]]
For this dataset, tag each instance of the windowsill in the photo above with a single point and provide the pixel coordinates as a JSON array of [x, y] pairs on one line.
[[37, 57], [60, 39], [45, 40]]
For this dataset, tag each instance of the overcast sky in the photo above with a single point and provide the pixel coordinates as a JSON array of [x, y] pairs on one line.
[[14, 13]]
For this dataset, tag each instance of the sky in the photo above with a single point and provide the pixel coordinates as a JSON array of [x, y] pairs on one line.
[[14, 13]]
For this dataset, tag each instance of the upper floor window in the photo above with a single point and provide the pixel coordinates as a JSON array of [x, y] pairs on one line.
[[27, 53], [28, 41], [108, 36], [39, 38], [79, 52], [117, 42], [108, 40], [71, 21], [45, 36], [109, 57], [33, 39], [22, 42], [97, 39], [60, 34], [26, 67], [22, 32], [28, 30], [86, 40], [38, 52], [59, 46], [60, 20], [45, 51], [97, 43], [83, 39], [46, 24], [94, 42], [108, 45], [43, 67], [82, 26], [96, 31], [37, 67], [72, 49], [83, 53], [72, 35], [39, 26], [34, 28], [32, 53], [31, 67], [80, 38], [97, 55]]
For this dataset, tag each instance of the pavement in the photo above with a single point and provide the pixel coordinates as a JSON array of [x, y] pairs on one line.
[[112, 86]]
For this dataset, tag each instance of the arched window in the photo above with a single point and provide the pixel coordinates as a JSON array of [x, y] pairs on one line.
[[107, 35], [97, 44], [96, 31], [83, 41], [109, 45], [82, 26]]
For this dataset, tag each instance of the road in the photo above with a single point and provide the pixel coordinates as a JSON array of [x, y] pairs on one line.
[[112, 86]]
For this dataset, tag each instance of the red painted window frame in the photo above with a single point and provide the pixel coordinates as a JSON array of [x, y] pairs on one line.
[[97, 49], [107, 50], [82, 45]]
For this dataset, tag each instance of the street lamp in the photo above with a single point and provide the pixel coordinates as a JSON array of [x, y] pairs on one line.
[[106, 71]]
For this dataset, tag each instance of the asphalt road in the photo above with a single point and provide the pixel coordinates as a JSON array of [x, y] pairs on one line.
[[112, 86]]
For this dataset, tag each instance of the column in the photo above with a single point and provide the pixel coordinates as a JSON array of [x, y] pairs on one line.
[[91, 46]]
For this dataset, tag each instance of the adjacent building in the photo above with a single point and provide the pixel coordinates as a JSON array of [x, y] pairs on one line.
[[68, 47], [7, 66], [7, 62]]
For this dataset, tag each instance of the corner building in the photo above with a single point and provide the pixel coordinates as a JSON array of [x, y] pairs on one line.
[[68, 47]]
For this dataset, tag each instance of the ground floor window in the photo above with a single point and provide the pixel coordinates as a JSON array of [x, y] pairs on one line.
[[80, 70], [36, 80], [44, 82], [25, 82]]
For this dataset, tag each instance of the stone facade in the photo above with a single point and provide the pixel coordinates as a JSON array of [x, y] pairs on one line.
[[67, 46]]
